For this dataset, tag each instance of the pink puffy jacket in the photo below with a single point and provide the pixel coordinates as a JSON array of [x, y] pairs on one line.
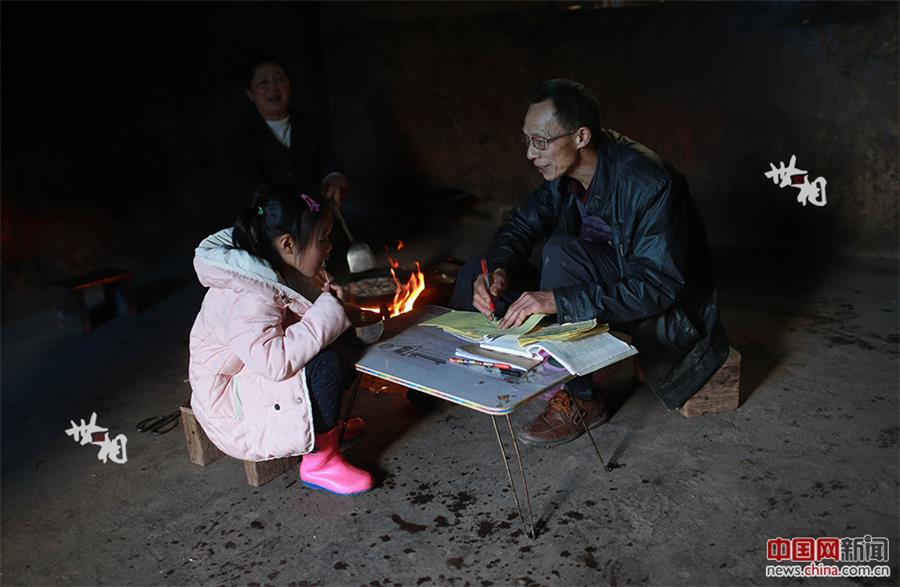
[[249, 345]]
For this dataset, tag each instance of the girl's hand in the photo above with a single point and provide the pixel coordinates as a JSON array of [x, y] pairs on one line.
[[334, 289]]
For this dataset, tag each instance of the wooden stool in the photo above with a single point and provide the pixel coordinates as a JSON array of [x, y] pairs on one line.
[[203, 452], [721, 393], [72, 310]]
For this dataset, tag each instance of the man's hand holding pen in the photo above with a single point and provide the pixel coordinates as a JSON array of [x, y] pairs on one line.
[[531, 302], [483, 296]]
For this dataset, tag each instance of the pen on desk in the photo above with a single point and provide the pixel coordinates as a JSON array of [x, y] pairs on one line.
[[487, 285], [503, 367], [477, 362]]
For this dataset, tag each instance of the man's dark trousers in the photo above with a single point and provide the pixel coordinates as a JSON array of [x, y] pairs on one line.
[[565, 260]]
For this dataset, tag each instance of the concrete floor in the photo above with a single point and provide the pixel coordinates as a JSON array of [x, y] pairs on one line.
[[812, 451]]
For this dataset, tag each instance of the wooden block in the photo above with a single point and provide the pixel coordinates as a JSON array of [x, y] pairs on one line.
[[636, 372], [721, 393], [72, 311], [261, 472], [122, 296], [104, 276], [201, 451]]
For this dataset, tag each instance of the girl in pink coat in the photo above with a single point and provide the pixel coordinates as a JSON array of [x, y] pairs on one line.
[[266, 378]]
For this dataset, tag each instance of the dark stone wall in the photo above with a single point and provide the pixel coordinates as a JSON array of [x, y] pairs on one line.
[[113, 115], [719, 90]]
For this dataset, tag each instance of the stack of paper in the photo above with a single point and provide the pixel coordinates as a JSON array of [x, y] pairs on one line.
[[581, 347], [580, 357], [568, 331]]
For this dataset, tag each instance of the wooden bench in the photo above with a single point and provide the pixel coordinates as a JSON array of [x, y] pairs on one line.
[[203, 452], [72, 308], [722, 393]]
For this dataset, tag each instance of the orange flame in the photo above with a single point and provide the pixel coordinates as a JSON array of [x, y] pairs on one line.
[[396, 247], [406, 293]]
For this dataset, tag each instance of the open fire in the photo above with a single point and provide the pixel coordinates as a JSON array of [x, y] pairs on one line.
[[405, 294]]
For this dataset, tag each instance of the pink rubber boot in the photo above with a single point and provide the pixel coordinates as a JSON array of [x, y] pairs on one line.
[[326, 468]]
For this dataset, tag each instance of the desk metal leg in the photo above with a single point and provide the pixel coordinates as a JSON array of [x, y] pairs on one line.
[[512, 434], [354, 389], [588, 430], [530, 532]]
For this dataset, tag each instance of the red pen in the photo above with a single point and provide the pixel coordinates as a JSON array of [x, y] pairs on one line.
[[502, 367], [487, 285]]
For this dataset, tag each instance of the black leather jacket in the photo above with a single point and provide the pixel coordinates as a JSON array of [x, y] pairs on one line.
[[665, 296]]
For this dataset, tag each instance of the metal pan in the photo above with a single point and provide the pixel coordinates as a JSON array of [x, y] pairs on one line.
[[359, 256], [438, 287]]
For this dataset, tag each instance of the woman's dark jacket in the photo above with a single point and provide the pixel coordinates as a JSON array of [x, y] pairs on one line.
[[665, 296], [254, 157]]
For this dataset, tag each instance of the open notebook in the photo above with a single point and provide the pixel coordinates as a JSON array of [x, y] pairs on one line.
[[580, 357]]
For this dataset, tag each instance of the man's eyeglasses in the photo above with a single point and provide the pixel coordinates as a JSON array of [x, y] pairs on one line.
[[542, 143]]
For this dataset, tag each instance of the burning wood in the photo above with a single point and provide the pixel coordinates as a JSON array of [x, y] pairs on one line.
[[371, 287]]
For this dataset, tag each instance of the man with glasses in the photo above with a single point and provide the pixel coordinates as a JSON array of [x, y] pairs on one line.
[[622, 243]]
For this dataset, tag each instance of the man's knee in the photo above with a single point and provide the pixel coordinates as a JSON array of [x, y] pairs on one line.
[[559, 266], [558, 249], [471, 269], [463, 290]]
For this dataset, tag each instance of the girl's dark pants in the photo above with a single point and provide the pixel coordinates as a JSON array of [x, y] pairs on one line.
[[328, 374]]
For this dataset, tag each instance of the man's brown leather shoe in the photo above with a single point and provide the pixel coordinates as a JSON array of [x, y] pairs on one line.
[[559, 424]]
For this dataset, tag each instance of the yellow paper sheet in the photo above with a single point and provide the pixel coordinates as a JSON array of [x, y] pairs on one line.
[[474, 326], [570, 331]]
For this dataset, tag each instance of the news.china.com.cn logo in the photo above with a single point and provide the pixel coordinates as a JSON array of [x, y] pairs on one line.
[[859, 557]]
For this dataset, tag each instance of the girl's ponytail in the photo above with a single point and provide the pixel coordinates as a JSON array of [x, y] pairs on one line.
[[249, 231]]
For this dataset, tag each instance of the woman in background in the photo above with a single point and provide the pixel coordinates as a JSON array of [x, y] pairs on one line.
[[274, 144]]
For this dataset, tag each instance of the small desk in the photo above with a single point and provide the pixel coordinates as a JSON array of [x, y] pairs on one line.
[[416, 357]]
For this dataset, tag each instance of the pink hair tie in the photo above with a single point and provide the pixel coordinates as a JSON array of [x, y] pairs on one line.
[[312, 204]]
